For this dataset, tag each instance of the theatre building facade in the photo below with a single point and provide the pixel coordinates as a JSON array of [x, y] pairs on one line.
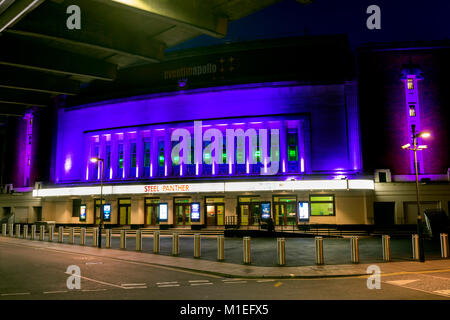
[[212, 157], [277, 139]]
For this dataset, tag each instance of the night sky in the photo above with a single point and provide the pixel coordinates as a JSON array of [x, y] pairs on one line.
[[401, 20]]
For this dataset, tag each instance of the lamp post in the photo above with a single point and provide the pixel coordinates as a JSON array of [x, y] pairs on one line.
[[100, 227], [416, 148]]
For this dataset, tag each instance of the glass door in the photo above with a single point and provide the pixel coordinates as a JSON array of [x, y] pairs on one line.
[[285, 210], [215, 211], [220, 211], [124, 217], [249, 210], [211, 215], [245, 212], [182, 211], [291, 213], [151, 212], [280, 214], [256, 213]]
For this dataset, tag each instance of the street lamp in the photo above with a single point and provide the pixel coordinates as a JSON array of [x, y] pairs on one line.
[[95, 160], [416, 148]]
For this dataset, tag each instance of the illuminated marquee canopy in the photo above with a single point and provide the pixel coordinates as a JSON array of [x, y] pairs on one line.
[[220, 187]]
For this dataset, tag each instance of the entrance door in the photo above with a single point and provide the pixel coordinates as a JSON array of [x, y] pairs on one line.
[[215, 214], [215, 211], [182, 211], [151, 212], [384, 213], [152, 215], [250, 213], [285, 210], [249, 210], [124, 216], [211, 216], [183, 214]]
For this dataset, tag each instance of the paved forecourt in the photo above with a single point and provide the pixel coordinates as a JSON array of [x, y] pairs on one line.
[[237, 270]]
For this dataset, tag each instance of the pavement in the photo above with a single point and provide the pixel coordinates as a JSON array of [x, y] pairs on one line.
[[238, 270]]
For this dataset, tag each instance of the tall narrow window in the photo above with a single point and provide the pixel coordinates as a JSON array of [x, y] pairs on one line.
[[410, 84], [146, 159], [107, 164], [292, 151], [120, 160], [132, 169], [96, 173], [412, 110], [161, 160]]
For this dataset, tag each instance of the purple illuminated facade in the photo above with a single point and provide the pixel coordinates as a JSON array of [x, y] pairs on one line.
[[318, 128]]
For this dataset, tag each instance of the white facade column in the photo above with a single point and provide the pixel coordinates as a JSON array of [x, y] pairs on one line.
[[139, 154], [283, 147]]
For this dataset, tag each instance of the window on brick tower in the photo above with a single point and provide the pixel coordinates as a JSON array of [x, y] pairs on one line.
[[412, 110], [410, 84]]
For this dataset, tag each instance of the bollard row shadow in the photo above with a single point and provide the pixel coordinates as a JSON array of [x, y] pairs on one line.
[[256, 251]]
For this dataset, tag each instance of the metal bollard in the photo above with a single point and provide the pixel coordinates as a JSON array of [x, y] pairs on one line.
[[33, 232], [108, 238], [415, 246], [4, 229], [175, 247], [61, 234], [25, 231], [220, 247], [138, 240], [95, 237], [11, 230], [42, 233], [247, 250], [281, 251], [17, 230], [444, 245], [156, 242], [71, 235], [51, 230], [354, 249], [319, 250], [82, 236], [386, 244], [123, 239], [197, 246]]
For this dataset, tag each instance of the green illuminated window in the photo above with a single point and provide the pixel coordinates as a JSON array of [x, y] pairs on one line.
[[322, 205], [120, 156], [258, 156], [161, 157]]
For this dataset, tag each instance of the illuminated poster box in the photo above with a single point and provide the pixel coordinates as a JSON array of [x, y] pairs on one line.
[[195, 212], [83, 212], [106, 212], [163, 212], [265, 210], [303, 211]]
